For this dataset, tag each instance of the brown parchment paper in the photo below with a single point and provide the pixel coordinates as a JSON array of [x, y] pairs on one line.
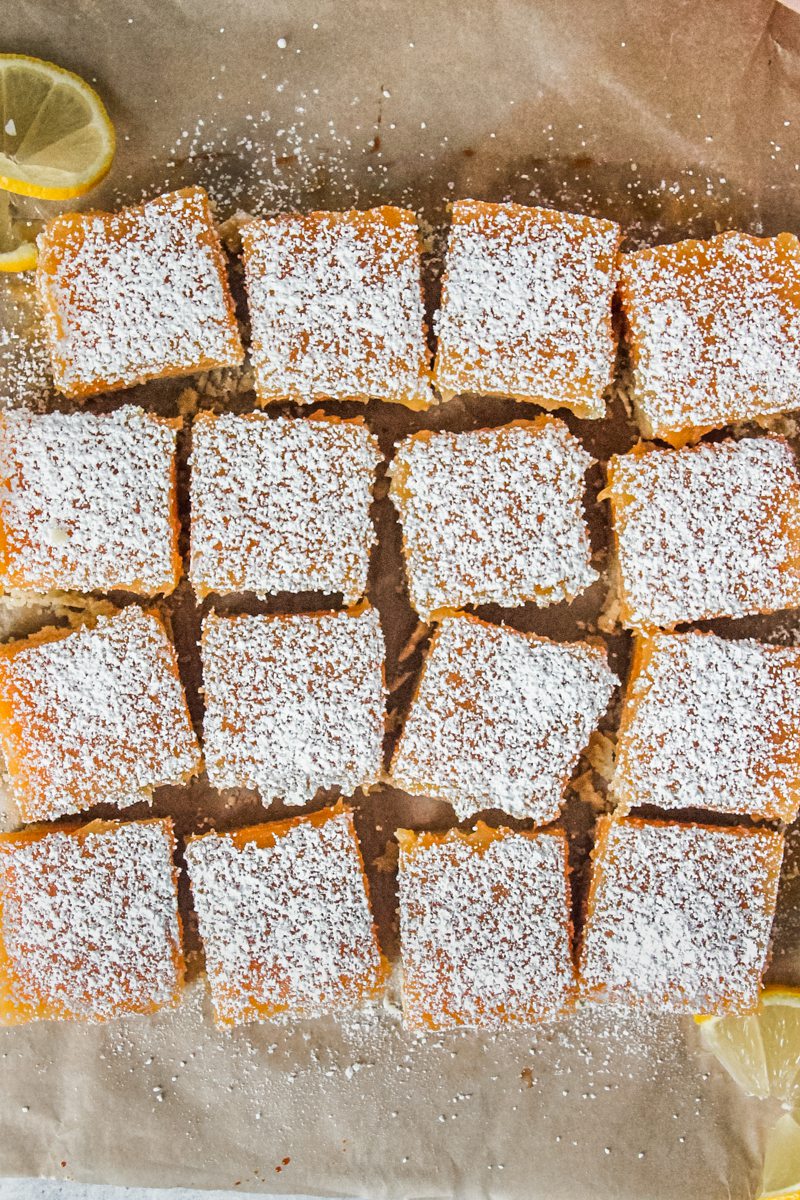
[[674, 118]]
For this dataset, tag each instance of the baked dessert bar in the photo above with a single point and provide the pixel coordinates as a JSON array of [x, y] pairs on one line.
[[485, 928], [285, 918], [88, 503], [526, 306], [336, 307], [135, 295], [711, 723], [89, 925], [294, 704], [281, 505], [714, 332], [91, 716], [679, 916], [493, 516], [708, 531], [499, 719]]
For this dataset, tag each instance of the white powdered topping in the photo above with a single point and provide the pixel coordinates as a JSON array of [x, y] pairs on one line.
[[526, 305], [485, 932], [680, 916], [281, 505], [135, 295], [715, 330], [88, 502], [494, 515], [89, 923], [713, 724], [288, 926], [294, 704], [96, 716], [336, 307], [500, 719], [712, 531]]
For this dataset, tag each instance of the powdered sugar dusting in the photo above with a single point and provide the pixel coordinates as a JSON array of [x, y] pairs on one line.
[[526, 306], [712, 724], [714, 330], [712, 531], [494, 515], [287, 926], [336, 307], [95, 716], [500, 718], [25, 374], [89, 922], [294, 703], [485, 929], [281, 505], [89, 502], [135, 295], [679, 915]]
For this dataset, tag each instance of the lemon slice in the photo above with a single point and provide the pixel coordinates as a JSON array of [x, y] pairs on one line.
[[17, 239], [761, 1051], [781, 1177], [56, 140]]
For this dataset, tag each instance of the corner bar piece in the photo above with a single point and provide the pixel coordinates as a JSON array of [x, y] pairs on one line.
[[679, 916], [135, 295], [89, 924]]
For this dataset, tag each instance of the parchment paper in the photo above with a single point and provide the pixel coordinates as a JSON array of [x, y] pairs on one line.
[[674, 118]]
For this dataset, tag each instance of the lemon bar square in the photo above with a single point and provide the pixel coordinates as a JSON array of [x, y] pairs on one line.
[[285, 918], [89, 924], [336, 307], [485, 928], [499, 719], [135, 295], [707, 531], [294, 703], [493, 516], [679, 916], [281, 505], [714, 332], [711, 723], [88, 503], [94, 715], [526, 306]]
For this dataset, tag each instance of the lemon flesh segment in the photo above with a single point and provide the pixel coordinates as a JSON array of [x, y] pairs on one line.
[[56, 139], [761, 1051], [737, 1045], [781, 1176], [17, 239]]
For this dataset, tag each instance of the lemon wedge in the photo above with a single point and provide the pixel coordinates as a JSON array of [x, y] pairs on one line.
[[762, 1053], [781, 1178], [17, 239], [20, 258], [56, 140]]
